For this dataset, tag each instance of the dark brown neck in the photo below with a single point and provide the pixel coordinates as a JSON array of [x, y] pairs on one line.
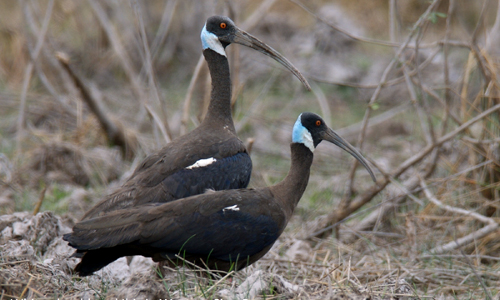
[[219, 109], [289, 191]]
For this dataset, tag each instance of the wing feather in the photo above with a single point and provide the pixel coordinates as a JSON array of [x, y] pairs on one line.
[[198, 225]]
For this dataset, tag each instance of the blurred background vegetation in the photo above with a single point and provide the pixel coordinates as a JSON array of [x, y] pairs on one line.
[[395, 78]]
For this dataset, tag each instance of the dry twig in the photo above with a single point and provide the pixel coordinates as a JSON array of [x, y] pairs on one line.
[[360, 200], [421, 21], [492, 225], [375, 41], [126, 63], [114, 131]]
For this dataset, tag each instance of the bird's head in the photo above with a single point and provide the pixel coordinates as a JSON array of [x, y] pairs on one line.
[[310, 129], [220, 31]]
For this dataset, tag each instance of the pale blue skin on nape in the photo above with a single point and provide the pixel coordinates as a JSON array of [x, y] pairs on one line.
[[301, 135], [210, 40]]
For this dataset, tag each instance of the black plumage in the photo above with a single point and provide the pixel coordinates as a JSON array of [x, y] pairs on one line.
[[172, 173], [224, 230]]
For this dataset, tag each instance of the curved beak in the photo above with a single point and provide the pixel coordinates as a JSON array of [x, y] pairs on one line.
[[243, 38], [333, 137]]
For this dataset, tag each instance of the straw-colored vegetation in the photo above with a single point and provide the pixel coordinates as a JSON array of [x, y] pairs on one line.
[[89, 88]]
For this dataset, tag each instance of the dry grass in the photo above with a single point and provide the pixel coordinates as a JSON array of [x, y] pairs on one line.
[[414, 85]]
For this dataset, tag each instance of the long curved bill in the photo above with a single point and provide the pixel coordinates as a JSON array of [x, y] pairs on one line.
[[333, 137], [243, 38]]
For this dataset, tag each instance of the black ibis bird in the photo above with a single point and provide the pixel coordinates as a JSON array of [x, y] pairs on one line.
[[222, 230], [209, 157]]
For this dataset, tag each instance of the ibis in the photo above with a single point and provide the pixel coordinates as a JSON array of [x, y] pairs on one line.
[[222, 230], [209, 157]]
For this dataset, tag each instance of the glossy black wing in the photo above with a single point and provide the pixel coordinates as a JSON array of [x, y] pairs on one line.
[[173, 173], [227, 173], [225, 225], [226, 235]]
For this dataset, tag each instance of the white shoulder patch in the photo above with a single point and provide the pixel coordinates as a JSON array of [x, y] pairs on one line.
[[210, 40], [202, 163], [234, 207]]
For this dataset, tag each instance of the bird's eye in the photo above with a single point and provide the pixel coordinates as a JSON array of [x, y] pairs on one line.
[[318, 122], [223, 25]]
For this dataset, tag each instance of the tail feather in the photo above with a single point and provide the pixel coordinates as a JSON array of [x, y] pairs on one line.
[[94, 260]]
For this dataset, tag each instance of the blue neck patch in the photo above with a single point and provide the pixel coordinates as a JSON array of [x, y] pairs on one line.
[[211, 41], [301, 135]]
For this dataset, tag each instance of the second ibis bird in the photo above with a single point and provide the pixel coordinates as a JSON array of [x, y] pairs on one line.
[[209, 157]]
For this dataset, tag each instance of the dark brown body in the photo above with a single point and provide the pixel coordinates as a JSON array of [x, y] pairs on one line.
[[223, 230]]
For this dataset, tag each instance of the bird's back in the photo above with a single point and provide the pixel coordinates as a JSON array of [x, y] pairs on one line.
[[189, 165]]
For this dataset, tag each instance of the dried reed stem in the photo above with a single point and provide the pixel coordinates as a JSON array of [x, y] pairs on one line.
[[118, 47], [420, 113], [165, 128], [114, 131], [189, 94], [28, 14], [164, 27], [126, 63], [446, 68], [322, 101], [40, 200], [423, 153], [28, 73]]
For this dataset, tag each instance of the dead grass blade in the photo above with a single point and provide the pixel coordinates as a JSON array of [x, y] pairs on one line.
[[28, 73], [487, 293], [126, 63], [25, 288], [163, 28], [118, 47], [322, 101], [149, 71], [40, 200], [189, 94]]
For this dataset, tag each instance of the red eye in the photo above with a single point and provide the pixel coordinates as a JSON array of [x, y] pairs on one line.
[[318, 122], [223, 25]]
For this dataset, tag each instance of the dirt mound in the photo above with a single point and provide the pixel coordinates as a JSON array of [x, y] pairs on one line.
[[35, 261]]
